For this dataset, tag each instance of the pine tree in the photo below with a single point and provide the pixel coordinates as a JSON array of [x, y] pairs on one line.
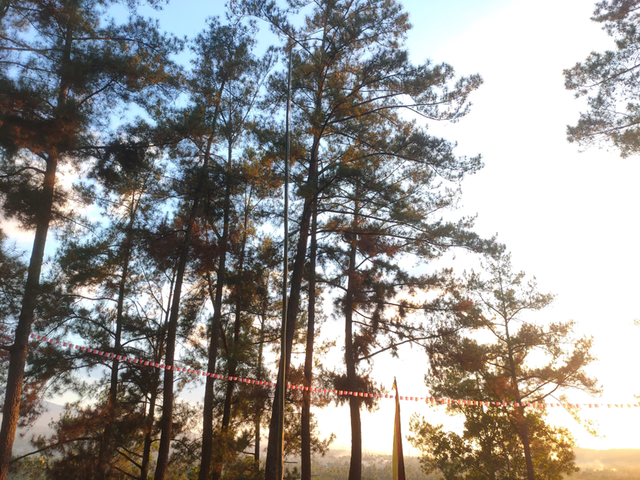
[[125, 405], [12, 276], [502, 370], [305, 440], [609, 82], [222, 90], [488, 448], [63, 62], [348, 69], [124, 185], [378, 219]]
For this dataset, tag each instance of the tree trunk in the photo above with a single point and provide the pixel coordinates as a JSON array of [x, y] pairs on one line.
[[355, 466], [521, 421], [106, 445], [308, 361], [233, 359], [207, 419], [18, 351], [172, 327], [148, 432], [272, 463], [259, 403], [151, 415], [207, 415], [524, 437]]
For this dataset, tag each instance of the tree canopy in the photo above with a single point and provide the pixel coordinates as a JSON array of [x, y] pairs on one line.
[[502, 355], [610, 83], [164, 184]]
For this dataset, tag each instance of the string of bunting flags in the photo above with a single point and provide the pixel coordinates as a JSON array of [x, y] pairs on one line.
[[326, 391]]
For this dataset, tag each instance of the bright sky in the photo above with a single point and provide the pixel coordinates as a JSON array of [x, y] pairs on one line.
[[568, 218]]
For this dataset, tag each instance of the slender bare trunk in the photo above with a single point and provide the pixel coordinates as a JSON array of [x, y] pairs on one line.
[[155, 384], [167, 394], [172, 327], [240, 306], [308, 361], [106, 445], [257, 422], [207, 415], [207, 420], [148, 429], [272, 463], [355, 466], [523, 432], [233, 362]]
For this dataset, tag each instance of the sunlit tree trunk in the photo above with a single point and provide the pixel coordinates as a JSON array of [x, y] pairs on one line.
[[273, 463], [18, 351], [257, 423], [151, 414], [148, 431]]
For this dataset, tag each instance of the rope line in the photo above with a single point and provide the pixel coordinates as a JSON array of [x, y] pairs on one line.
[[325, 391]]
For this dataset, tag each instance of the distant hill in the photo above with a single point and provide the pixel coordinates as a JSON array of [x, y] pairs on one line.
[[594, 465], [22, 443], [587, 460], [607, 459]]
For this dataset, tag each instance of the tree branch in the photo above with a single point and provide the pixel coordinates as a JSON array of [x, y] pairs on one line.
[[78, 439]]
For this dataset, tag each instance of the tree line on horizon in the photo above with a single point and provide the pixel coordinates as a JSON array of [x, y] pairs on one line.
[[163, 185]]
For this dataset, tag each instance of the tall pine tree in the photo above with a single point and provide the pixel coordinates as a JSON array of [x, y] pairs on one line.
[[63, 62], [522, 362]]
